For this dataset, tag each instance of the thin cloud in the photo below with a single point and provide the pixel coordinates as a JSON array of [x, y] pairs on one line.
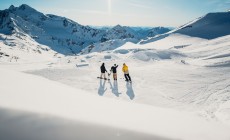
[[139, 5], [220, 4]]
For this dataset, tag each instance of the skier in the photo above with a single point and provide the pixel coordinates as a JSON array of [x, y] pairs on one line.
[[114, 70], [103, 70], [126, 73]]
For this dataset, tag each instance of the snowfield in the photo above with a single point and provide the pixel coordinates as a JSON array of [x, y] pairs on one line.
[[180, 80], [177, 93], [39, 95]]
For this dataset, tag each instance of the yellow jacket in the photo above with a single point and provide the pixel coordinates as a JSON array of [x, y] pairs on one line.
[[125, 69]]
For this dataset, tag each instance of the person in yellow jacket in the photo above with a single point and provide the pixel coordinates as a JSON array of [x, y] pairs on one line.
[[125, 69]]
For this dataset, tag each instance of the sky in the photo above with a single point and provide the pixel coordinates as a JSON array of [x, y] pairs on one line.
[[170, 13]]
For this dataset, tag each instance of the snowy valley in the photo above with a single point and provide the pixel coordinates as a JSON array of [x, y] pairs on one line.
[[49, 67]]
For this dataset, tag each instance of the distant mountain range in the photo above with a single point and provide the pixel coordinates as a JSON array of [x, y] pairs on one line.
[[136, 28], [68, 37], [64, 35]]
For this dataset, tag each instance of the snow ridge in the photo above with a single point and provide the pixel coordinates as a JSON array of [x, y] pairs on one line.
[[210, 26]]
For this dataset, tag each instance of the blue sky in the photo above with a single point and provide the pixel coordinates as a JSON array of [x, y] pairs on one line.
[[126, 12]]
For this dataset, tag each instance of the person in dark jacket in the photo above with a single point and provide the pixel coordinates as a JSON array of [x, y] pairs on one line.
[[103, 70], [114, 70]]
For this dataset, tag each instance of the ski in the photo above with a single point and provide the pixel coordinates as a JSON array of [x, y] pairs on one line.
[[103, 78]]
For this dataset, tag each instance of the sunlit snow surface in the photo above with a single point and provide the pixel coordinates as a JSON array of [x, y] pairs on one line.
[[179, 91]]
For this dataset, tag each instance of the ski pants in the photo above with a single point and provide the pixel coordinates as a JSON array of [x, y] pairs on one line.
[[115, 76], [127, 77], [103, 74]]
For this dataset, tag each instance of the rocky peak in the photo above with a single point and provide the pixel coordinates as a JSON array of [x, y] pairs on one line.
[[117, 27], [11, 8], [25, 7]]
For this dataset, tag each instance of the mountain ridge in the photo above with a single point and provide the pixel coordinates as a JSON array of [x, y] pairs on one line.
[[209, 26], [59, 33]]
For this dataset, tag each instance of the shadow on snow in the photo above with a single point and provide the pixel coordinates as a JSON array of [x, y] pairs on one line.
[[114, 89]]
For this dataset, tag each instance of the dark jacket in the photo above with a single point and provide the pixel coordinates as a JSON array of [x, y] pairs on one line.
[[103, 70], [114, 69]]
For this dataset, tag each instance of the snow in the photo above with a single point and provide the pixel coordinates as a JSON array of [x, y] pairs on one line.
[[64, 35], [53, 98], [180, 87], [163, 89], [82, 65], [107, 46], [24, 48], [210, 26], [172, 40], [223, 112]]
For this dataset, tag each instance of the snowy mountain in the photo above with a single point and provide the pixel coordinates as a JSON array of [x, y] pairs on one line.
[[210, 26], [119, 35], [142, 30], [158, 30], [135, 32], [61, 34], [121, 32]]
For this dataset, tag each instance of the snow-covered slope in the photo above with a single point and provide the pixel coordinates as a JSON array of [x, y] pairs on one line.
[[108, 45], [116, 119], [210, 26], [174, 40], [173, 88], [61, 34], [212, 53], [158, 30], [23, 49], [166, 77], [167, 94]]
